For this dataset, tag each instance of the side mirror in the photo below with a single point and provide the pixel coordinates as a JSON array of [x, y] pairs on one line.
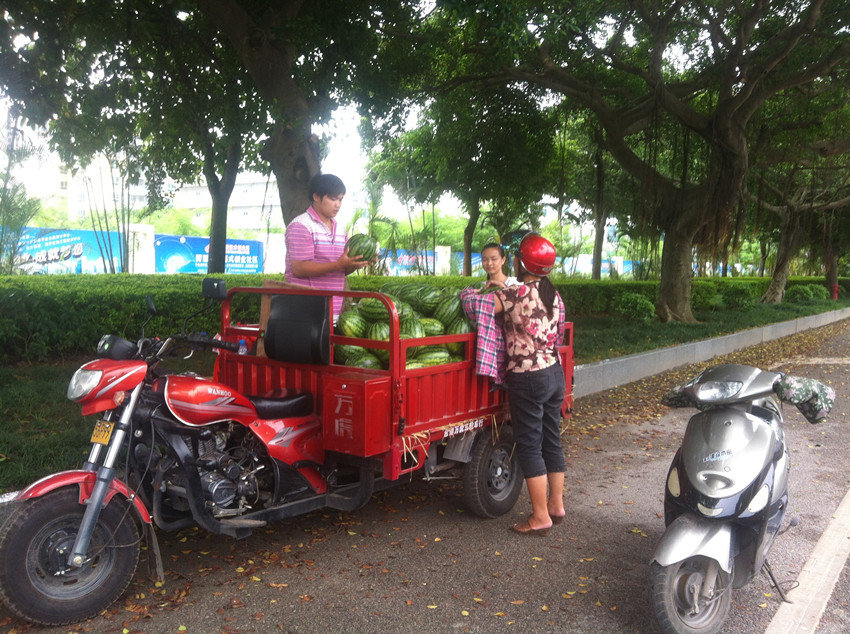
[[214, 288], [151, 307]]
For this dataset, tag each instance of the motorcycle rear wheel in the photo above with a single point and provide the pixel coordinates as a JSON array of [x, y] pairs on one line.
[[492, 479], [35, 581], [671, 597]]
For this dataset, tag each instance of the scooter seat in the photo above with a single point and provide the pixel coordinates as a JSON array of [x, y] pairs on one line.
[[294, 404]]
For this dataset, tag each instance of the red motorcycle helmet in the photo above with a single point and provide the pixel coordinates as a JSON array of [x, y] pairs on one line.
[[536, 254]]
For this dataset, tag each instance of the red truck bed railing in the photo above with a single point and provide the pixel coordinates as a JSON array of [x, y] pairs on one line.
[[392, 414]]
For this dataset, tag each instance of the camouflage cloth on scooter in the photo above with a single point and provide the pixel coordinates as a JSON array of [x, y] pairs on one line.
[[812, 398]]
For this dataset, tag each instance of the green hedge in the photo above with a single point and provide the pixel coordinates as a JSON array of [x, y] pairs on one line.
[[50, 316]]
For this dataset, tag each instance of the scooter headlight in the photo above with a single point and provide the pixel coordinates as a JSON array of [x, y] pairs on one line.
[[718, 390], [673, 483], [759, 500], [83, 382]]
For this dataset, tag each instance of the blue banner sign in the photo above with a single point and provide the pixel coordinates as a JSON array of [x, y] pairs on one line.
[[53, 251], [403, 262], [190, 254]]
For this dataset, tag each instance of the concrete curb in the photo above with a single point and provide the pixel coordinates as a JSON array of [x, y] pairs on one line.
[[817, 579], [603, 375]]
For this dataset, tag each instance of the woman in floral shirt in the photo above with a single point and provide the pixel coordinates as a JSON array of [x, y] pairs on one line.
[[533, 332]]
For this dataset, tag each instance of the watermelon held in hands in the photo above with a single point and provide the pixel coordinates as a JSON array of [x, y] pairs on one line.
[[361, 244]]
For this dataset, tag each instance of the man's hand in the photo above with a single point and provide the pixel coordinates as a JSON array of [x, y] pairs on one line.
[[350, 264]]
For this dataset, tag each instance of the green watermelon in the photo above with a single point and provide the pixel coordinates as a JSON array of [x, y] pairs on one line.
[[432, 327], [351, 324], [427, 300], [409, 292], [361, 244], [366, 360], [457, 327], [412, 327], [373, 309], [449, 310], [404, 310], [413, 364], [433, 355], [343, 353], [413, 350], [457, 357], [379, 331], [391, 288]]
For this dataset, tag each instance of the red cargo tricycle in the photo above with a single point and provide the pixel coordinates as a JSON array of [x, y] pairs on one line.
[[274, 434]]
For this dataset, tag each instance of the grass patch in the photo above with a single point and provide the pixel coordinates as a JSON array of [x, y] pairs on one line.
[[42, 431], [606, 337]]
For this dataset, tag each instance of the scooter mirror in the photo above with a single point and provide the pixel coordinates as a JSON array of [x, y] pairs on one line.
[[214, 288], [151, 307]]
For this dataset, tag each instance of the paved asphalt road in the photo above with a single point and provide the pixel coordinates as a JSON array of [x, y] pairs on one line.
[[415, 560]]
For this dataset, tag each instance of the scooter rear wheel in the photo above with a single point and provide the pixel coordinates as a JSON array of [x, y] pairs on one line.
[[676, 603], [35, 581]]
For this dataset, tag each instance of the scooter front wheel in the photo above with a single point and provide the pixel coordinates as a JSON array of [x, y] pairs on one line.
[[36, 582], [678, 597]]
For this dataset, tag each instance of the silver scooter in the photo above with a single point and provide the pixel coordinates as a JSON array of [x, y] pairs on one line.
[[725, 497]]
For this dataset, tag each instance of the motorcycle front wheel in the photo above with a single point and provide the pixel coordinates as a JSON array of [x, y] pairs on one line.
[[676, 600], [36, 582]]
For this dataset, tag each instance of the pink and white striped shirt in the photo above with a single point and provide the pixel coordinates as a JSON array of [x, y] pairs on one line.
[[309, 239]]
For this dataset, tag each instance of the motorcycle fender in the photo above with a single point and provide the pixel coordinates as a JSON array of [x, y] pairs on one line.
[[689, 536], [86, 480]]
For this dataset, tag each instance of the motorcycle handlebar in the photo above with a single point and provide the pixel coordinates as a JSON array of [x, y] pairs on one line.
[[202, 339]]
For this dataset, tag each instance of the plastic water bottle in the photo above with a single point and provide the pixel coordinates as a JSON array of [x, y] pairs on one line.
[[243, 348]]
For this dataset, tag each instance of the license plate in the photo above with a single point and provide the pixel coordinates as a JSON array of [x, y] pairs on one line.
[[102, 432]]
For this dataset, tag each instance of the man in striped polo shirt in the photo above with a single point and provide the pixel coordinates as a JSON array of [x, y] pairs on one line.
[[315, 243]]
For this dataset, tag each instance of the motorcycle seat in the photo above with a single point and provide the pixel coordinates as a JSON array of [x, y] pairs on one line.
[[288, 405]]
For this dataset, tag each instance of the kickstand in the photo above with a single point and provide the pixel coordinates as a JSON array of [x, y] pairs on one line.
[[775, 583]]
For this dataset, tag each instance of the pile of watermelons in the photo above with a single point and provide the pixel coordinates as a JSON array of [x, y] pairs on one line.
[[423, 311]]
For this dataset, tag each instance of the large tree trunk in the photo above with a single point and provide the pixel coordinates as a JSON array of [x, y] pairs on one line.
[[600, 217], [294, 158], [764, 252], [220, 192], [291, 150], [788, 243], [830, 262], [598, 241], [473, 208], [674, 292]]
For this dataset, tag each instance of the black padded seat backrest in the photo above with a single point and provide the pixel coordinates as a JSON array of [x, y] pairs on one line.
[[298, 330]]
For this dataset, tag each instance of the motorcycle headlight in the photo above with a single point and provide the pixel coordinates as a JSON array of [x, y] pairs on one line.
[[759, 500], [83, 382], [718, 390]]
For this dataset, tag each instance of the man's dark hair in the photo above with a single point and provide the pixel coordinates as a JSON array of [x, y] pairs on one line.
[[326, 185]]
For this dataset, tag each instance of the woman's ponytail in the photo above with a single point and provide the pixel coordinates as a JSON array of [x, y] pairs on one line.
[[547, 294]]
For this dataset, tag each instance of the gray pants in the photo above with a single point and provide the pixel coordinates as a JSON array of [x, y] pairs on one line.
[[535, 400]]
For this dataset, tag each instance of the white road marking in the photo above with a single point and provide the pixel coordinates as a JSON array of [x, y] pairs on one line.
[[817, 579]]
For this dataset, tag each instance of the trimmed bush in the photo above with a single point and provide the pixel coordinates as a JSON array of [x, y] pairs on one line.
[[634, 306], [738, 296], [803, 293], [705, 295], [47, 317]]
